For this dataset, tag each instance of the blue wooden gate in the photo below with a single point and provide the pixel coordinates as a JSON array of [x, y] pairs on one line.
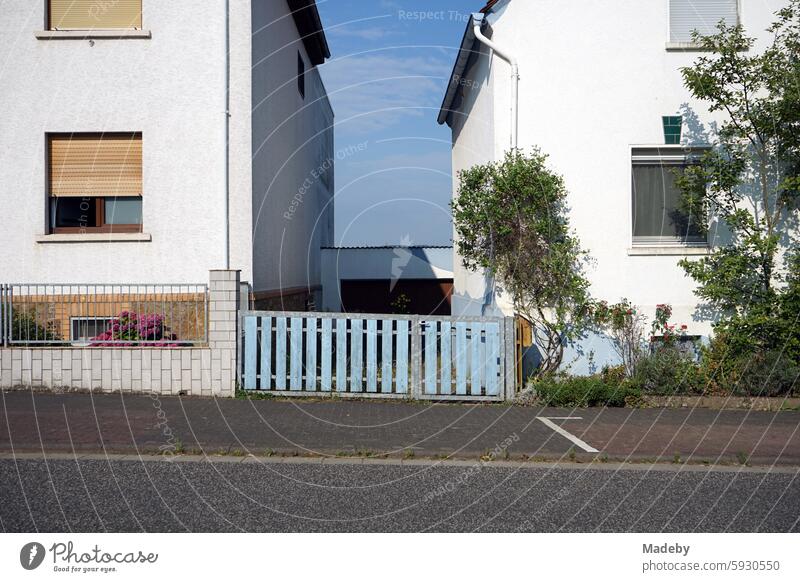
[[387, 356]]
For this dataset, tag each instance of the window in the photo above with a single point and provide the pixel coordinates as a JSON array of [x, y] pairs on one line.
[[94, 14], [301, 75], [658, 215], [83, 329], [688, 345], [95, 183], [686, 16]]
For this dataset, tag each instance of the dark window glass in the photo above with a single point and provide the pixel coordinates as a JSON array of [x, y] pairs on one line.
[[84, 329], [74, 212], [658, 215], [301, 76]]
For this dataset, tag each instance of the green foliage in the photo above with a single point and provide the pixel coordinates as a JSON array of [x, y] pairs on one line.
[[668, 371], [625, 326], [581, 391], [401, 304], [512, 221], [751, 182], [26, 325]]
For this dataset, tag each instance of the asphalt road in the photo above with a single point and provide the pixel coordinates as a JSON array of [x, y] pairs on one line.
[[67, 423], [282, 496]]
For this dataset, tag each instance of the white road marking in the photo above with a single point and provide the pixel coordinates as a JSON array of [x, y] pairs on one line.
[[549, 422]]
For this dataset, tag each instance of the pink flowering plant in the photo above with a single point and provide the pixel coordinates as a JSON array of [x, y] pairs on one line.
[[131, 329], [664, 332]]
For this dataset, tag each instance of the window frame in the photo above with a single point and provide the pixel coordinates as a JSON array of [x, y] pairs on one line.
[[49, 28], [103, 227], [77, 319], [689, 44], [673, 155]]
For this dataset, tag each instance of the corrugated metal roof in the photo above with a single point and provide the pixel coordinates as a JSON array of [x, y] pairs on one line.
[[386, 247]]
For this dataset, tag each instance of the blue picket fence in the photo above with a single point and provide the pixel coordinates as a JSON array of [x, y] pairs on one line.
[[387, 356]]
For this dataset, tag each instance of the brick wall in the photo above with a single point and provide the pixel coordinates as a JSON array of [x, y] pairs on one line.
[[199, 371]]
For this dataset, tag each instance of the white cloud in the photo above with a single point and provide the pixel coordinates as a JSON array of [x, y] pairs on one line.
[[370, 33], [373, 92]]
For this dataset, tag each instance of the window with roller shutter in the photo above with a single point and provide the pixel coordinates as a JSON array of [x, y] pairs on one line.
[[95, 183], [686, 16], [94, 14]]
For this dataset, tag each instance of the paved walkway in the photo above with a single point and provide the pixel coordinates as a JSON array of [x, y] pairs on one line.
[[130, 424]]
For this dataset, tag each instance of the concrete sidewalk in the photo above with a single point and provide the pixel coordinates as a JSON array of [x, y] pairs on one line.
[[133, 424]]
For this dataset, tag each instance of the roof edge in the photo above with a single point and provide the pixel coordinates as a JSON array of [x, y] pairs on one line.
[[464, 52], [312, 33]]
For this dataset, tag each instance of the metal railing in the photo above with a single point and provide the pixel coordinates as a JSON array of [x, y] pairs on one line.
[[103, 315]]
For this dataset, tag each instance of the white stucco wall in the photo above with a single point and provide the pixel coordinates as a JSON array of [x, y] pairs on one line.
[[348, 264], [169, 87], [596, 79], [292, 140]]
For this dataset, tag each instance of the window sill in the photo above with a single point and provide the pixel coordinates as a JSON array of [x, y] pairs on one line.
[[94, 238], [91, 34], [686, 47], [668, 251]]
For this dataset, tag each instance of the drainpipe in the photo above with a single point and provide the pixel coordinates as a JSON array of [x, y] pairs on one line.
[[227, 135], [511, 60], [488, 298]]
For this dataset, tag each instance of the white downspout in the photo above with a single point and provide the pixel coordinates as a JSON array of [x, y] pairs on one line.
[[511, 60], [227, 135], [488, 298]]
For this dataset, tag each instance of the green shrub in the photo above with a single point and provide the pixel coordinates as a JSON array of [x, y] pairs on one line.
[[581, 391], [761, 374], [668, 371], [26, 326]]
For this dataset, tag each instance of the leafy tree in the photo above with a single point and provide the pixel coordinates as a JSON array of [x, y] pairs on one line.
[[750, 182], [511, 221], [625, 326]]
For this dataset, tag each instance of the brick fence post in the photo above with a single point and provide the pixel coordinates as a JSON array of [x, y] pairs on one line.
[[223, 322]]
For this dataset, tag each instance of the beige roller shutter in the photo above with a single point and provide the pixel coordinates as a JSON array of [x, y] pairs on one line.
[[95, 14], [94, 165]]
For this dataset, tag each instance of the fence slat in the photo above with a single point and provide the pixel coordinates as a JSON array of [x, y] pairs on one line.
[[387, 336], [280, 353], [477, 361], [356, 346], [461, 358], [372, 355], [266, 354], [446, 358], [311, 354], [402, 357], [250, 345], [492, 359], [327, 352], [341, 355], [296, 359], [431, 329]]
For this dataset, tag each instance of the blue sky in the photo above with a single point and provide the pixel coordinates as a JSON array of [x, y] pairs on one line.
[[390, 63]]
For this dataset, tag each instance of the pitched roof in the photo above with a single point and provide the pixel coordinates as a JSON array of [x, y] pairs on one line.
[[489, 6], [467, 50], [309, 25]]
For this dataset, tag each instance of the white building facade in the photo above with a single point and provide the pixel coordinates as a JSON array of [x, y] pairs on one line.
[[148, 141], [596, 82]]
